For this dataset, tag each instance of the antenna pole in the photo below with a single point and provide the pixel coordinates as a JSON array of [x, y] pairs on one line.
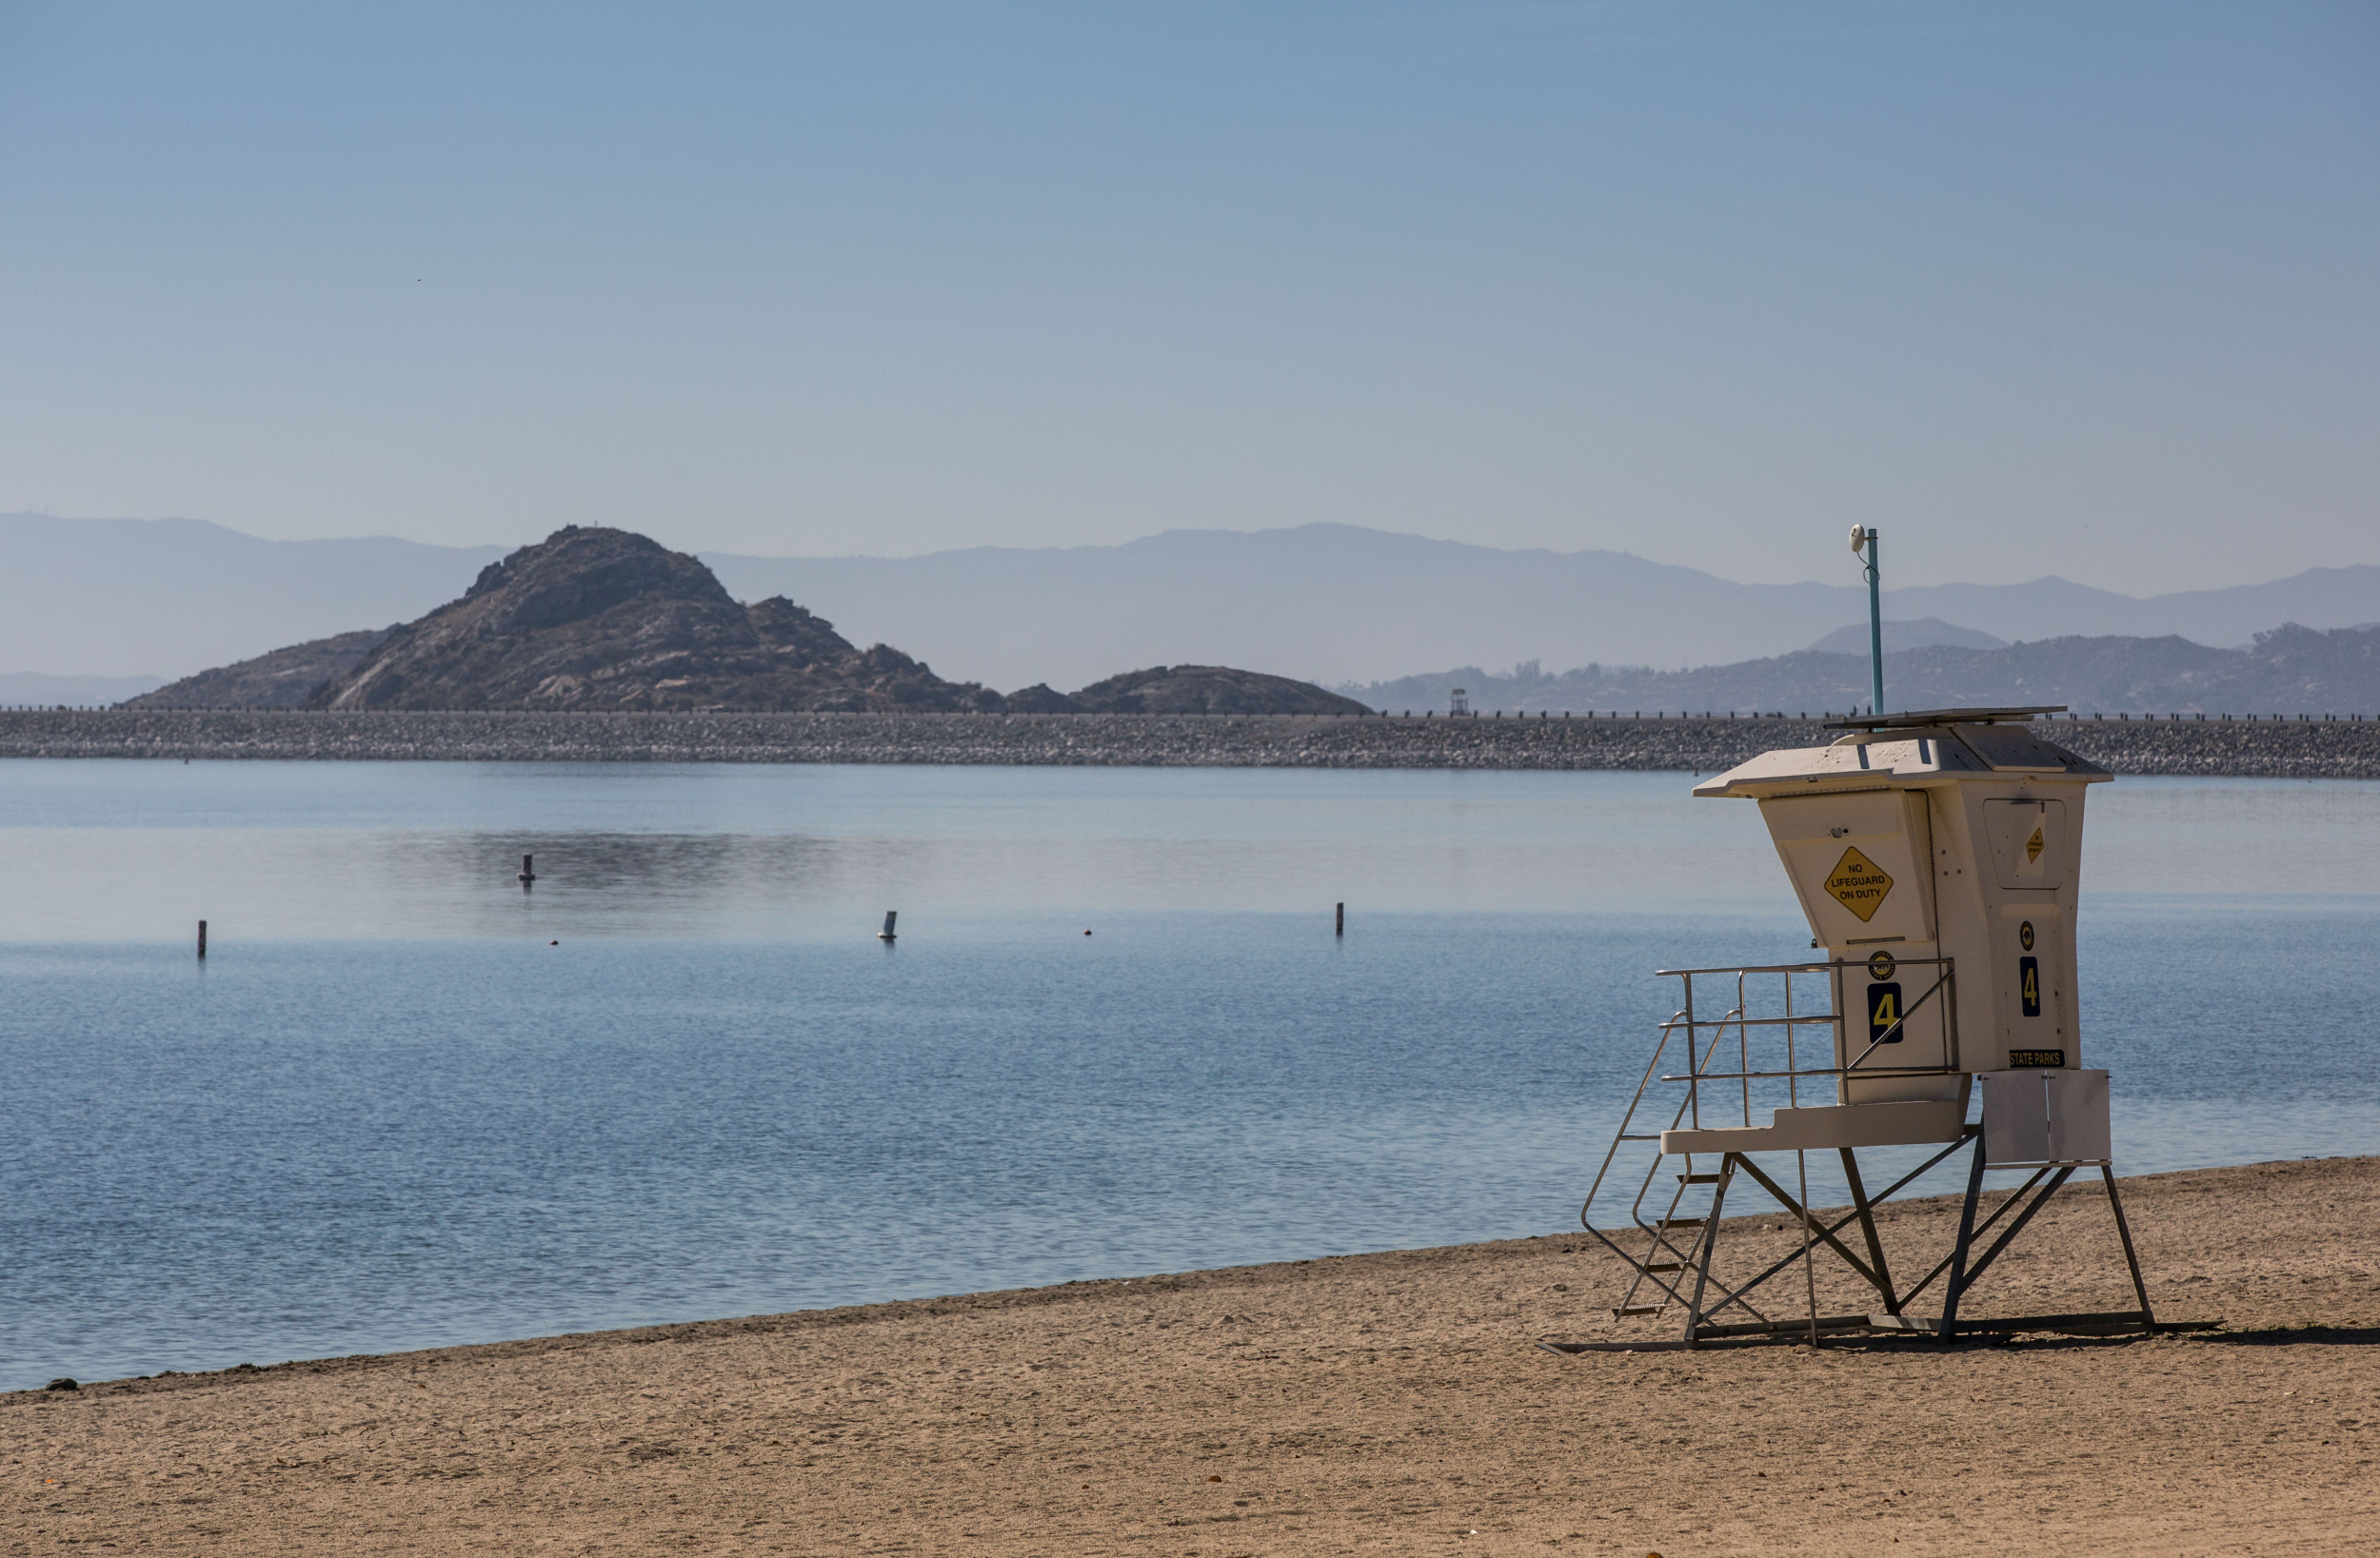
[[1876, 632]]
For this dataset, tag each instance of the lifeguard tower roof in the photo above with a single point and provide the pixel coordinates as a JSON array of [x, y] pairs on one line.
[[1939, 746], [1913, 718]]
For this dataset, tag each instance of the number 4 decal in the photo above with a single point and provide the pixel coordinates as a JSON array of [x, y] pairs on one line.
[[2029, 984], [1884, 1013]]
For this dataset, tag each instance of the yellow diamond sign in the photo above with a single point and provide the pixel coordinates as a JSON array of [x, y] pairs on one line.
[[2033, 846], [1858, 884]]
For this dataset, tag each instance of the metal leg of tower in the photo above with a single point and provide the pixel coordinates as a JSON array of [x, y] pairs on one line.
[[1980, 1229], [2008, 1235], [1866, 1202], [1867, 1227], [1794, 1208], [2124, 1232], [1958, 1251], [1697, 1257], [1710, 1241]]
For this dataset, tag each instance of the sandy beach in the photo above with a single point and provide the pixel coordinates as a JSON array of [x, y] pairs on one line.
[[1384, 1403]]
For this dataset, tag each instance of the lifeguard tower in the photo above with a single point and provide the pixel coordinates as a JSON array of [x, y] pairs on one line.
[[1936, 856]]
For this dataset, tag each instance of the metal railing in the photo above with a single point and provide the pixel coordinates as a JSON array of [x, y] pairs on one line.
[[1782, 1019], [1773, 1018], [1789, 1023]]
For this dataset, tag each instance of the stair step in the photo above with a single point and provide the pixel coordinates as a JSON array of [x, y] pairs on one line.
[[1637, 1309], [1666, 1265], [1699, 1178], [1683, 1222]]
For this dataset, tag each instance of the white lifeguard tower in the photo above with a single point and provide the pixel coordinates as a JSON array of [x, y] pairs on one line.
[[1936, 856]]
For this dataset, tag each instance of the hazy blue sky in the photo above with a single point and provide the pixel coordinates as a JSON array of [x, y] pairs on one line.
[[2087, 289]]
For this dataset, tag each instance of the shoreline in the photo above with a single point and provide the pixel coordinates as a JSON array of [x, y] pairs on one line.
[[2241, 749], [1393, 1401], [1739, 1226], [1000, 1298]]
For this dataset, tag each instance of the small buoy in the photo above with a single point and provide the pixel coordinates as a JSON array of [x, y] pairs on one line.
[[1086, 932], [553, 943], [528, 870], [886, 934]]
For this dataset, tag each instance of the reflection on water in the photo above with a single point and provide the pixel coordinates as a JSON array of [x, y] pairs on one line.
[[134, 851], [388, 1113], [144, 849]]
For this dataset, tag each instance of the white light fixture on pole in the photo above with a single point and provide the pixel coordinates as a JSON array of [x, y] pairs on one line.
[[1864, 538]]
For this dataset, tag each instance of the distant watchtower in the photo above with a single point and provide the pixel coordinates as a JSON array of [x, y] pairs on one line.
[[1459, 702]]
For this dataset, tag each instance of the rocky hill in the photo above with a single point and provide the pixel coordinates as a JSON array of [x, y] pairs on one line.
[[1207, 689], [597, 618], [606, 621]]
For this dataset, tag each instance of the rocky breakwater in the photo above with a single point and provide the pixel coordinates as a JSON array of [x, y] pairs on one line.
[[2264, 749], [2331, 747]]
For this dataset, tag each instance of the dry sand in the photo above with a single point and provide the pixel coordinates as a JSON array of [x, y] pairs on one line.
[[1390, 1403]]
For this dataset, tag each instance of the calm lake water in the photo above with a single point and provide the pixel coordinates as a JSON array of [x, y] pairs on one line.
[[389, 1112]]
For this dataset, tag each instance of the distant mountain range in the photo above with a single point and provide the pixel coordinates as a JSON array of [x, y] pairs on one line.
[[1898, 636], [1338, 604], [1332, 603], [2288, 671], [157, 598], [19, 689]]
